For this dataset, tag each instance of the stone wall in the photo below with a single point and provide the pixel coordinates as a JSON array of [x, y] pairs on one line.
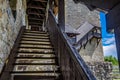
[[92, 52], [77, 14], [9, 27], [102, 70]]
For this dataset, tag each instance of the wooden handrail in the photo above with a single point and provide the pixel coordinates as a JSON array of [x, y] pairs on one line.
[[71, 63]]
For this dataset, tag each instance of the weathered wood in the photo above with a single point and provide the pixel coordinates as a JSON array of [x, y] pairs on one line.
[[113, 18], [117, 39], [35, 13], [102, 4], [61, 14], [36, 7], [36, 19], [44, 1], [67, 53]]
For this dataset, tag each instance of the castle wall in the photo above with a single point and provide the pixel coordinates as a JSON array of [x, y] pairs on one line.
[[9, 27], [75, 16]]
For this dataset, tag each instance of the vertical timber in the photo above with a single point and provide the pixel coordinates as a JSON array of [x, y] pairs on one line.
[[117, 38], [61, 14]]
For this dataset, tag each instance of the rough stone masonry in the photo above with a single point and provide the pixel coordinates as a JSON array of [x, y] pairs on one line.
[[9, 27], [75, 16]]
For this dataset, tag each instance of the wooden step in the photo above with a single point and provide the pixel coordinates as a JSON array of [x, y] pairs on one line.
[[36, 40], [23, 52], [39, 47], [36, 34], [32, 72], [36, 61], [31, 39], [35, 37], [32, 36], [35, 43], [34, 64], [35, 57], [35, 77], [42, 1]]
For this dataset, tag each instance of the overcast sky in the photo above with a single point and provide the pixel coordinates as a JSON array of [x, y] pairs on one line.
[[108, 39]]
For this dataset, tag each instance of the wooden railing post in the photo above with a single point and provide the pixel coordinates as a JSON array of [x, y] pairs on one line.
[[61, 14]]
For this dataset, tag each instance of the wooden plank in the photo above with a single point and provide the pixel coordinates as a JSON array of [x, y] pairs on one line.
[[47, 64], [101, 4], [45, 53], [43, 1], [35, 57], [36, 19], [35, 13], [35, 47], [36, 7], [61, 14], [34, 77], [113, 18]]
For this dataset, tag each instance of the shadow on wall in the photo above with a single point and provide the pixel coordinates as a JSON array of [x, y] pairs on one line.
[[13, 7]]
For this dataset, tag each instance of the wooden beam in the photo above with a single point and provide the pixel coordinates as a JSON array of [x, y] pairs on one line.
[[35, 13], [36, 7], [61, 14], [36, 19], [35, 16], [41, 1], [35, 23]]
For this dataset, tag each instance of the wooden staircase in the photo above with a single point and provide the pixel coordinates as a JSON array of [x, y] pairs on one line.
[[35, 58], [36, 10]]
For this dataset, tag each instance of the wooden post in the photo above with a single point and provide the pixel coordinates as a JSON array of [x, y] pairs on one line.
[[61, 14], [117, 39]]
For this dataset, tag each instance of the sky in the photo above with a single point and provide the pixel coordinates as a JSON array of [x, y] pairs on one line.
[[108, 39]]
